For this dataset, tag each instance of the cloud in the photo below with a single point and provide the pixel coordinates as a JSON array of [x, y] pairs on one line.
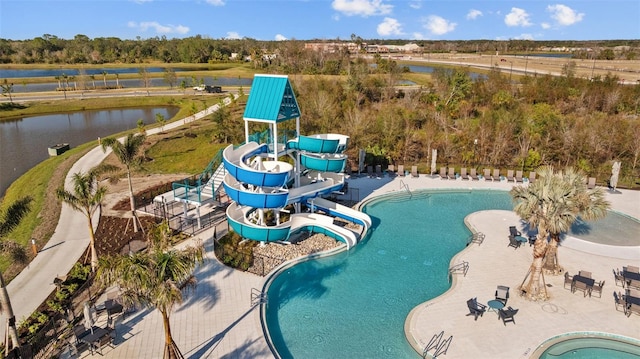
[[473, 14], [438, 25], [215, 2], [232, 35], [417, 36], [389, 26], [545, 25], [524, 37], [517, 17], [280, 37], [564, 15], [415, 4], [141, 1], [160, 29], [362, 8]]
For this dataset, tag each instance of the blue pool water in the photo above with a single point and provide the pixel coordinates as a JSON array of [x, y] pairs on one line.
[[354, 304], [592, 348]]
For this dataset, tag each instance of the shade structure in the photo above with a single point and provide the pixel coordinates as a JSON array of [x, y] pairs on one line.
[[434, 157], [615, 173], [88, 317]]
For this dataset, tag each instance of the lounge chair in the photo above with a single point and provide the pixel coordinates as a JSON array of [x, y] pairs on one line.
[[370, 171], [474, 175], [532, 177], [378, 171], [463, 173], [476, 309], [414, 171], [443, 173], [518, 176], [496, 175], [502, 294], [487, 174], [597, 288], [452, 173], [591, 183], [391, 170], [513, 242], [568, 279], [510, 176], [507, 315], [514, 232], [401, 170]]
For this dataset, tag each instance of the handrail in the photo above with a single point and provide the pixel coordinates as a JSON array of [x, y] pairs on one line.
[[433, 343], [405, 187], [477, 237], [442, 349], [257, 297], [460, 267]]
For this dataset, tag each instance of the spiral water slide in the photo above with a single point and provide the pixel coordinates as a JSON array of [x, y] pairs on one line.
[[255, 185]]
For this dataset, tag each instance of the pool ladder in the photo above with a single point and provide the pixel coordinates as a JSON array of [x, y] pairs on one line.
[[257, 297], [405, 187], [459, 268], [438, 345]]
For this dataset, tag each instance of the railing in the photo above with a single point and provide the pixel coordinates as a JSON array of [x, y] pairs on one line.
[[477, 237], [405, 187], [438, 345], [258, 297], [190, 186], [460, 268]]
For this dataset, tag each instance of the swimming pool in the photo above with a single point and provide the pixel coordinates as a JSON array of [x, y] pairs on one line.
[[354, 304], [589, 346]]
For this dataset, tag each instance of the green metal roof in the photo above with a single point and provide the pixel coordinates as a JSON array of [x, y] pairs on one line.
[[271, 99]]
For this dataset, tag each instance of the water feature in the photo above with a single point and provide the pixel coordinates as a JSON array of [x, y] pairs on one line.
[[24, 142]]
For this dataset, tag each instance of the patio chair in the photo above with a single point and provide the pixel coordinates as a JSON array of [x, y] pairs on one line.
[[633, 308], [414, 171], [378, 171], [105, 340], [496, 175], [476, 309], [507, 315], [370, 171], [617, 298], [513, 231], [532, 240], [584, 273], [513, 242], [568, 279], [597, 288], [632, 269], [518, 176], [532, 177], [510, 176], [463, 173], [452, 173], [487, 174], [591, 183], [502, 294], [401, 170], [443, 173], [473, 175], [618, 277], [391, 170]]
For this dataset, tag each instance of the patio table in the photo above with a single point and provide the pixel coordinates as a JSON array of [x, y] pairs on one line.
[[495, 305], [584, 284]]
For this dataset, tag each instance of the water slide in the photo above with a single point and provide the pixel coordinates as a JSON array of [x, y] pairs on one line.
[[257, 172], [321, 152], [338, 210]]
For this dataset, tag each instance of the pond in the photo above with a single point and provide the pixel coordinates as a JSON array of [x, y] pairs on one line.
[[24, 142]]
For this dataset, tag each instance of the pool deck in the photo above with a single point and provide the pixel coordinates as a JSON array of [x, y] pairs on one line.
[[219, 320]]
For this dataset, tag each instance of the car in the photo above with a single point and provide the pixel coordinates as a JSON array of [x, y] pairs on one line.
[[199, 88]]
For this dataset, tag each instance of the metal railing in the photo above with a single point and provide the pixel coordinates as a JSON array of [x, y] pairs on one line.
[[405, 186], [258, 297], [460, 268], [477, 237], [438, 345]]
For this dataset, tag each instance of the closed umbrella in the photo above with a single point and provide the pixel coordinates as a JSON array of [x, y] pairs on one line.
[[615, 172], [434, 157], [88, 317]]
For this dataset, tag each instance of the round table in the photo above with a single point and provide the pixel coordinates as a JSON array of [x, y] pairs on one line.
[[495, 305]]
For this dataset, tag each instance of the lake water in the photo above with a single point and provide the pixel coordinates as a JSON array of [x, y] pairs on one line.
[[24, 142]]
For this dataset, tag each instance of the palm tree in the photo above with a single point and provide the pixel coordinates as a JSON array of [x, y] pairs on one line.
[[552, 204], [104, 79], [86, 197], [128, 154], [155, 278], [9, 220]]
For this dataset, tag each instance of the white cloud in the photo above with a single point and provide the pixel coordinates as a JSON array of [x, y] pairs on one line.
[[524, 37], [141, 1], [215, 2], [363, 8], [517, 17], [232, 35], [415, 4], [417, 36], [160, 29], [545, 25], [389, 26], [564, 15], [280, 37], [438, 25], [473, 14]]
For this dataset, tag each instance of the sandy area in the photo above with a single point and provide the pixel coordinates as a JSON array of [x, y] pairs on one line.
[[116, 192]]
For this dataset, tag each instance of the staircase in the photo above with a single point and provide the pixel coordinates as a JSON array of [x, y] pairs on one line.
[[215, 182]]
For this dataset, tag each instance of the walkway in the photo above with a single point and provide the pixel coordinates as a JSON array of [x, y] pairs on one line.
[[35, 283], [218, 321]]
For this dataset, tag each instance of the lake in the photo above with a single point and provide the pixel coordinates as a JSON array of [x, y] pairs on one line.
[[24, 142]]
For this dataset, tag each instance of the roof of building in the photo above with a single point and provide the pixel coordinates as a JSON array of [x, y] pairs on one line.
[[271, 100]]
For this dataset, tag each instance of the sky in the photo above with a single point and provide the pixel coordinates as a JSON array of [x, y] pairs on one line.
[[323, 19]]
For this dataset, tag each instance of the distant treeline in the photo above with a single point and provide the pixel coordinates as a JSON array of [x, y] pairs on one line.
[[50, 49]]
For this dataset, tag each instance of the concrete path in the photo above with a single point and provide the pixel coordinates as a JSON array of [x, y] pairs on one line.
[[71, 238]]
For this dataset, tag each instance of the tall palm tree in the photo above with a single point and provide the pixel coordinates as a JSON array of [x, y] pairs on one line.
[[128, 152], [552, 204], [9, 220], [155, 278], [87, 197]]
